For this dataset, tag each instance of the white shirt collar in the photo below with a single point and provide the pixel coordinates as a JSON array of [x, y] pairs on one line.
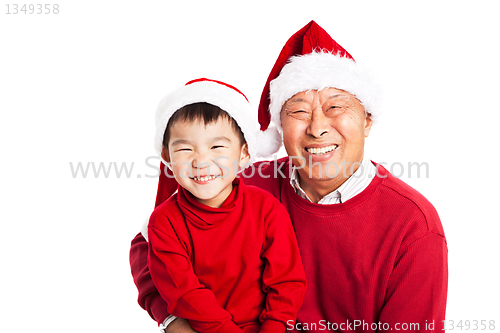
[[354, 185]]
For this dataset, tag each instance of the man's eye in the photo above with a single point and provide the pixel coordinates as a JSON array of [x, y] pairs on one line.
[[334, 109]]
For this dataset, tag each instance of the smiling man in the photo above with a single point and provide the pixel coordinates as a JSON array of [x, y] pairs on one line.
[[373, 248], [324, 133]]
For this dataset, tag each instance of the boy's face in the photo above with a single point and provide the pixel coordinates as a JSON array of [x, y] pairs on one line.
[[205, 158]]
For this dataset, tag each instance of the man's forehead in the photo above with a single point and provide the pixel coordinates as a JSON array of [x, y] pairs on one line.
[[325, 94]]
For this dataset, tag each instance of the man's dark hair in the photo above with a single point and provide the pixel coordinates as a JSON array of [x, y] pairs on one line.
[[203, 112]]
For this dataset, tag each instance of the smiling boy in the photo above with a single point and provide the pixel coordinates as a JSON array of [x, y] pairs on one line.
[[204, 154], [222, 254]]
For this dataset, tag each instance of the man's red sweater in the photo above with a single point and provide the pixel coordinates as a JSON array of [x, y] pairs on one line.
[[375, 262], [227, 269]]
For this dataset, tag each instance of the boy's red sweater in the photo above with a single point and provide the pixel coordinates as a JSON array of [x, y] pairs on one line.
[[227, 269], [375, 262]]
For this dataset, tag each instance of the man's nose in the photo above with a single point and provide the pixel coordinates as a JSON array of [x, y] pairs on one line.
[[318, 125]]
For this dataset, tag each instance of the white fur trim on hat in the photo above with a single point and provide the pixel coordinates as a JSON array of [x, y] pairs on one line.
[[228, 99], [268, 141], [320, 70]]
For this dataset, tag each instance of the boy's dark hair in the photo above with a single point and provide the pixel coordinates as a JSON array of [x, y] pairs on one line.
[[202, 111]]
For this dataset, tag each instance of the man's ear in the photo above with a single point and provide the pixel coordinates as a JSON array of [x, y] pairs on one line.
[[368, 123], [244, 156], [165, 155]]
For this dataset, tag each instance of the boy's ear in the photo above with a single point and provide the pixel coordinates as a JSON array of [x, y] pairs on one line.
[[165, 155], [244, 156]]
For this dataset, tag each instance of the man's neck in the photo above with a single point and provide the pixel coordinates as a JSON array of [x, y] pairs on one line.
[[316, 189]]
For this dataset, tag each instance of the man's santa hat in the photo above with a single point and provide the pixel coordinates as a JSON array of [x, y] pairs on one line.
[[220, 94], [312, 60]]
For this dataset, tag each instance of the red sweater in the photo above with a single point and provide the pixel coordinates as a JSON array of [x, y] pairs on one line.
[[380, 257], [227, 269]]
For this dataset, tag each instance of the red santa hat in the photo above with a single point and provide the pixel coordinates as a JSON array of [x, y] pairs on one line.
[[217, 93], [312, 60]]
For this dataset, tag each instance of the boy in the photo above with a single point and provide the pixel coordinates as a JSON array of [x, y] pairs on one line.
[[223, 255]]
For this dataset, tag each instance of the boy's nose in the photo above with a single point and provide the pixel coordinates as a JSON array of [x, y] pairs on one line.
[[201, 161]]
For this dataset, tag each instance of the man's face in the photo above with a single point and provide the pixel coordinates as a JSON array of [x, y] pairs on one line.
[[325, 129]]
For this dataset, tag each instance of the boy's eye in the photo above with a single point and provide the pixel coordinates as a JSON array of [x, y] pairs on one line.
[[184, 149], [215, 147]]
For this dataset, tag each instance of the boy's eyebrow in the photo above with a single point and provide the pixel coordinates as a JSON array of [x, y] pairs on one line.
[[180, 142], [188, 142], [221, 138]]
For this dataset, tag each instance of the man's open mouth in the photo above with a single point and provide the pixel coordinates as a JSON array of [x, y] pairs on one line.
[[322, 150]]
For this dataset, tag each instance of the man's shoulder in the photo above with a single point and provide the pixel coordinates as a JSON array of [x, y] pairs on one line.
[[403, 195], [276, 167], [267, 175]]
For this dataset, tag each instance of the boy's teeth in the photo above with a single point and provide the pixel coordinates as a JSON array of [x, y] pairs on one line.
[[320, 151], [204, 179]]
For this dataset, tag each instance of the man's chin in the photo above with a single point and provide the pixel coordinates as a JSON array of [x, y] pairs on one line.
[[325, 170]]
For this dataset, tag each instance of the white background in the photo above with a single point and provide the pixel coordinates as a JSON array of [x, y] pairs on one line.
[[83, 85]]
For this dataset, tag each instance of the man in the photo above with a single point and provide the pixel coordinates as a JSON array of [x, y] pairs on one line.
[[373, 248]]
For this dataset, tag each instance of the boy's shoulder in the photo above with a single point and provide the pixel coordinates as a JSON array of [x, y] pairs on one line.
[[170, 203], [168, 209], [261, 199], [257, 192]]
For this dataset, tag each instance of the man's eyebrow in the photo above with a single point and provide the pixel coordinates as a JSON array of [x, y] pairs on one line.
[[334, 96], [295, 100]]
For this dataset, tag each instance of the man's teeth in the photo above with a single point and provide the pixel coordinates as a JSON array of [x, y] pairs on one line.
[[204, 179], [320, 151]]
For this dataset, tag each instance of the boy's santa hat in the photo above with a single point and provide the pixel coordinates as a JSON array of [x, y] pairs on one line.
[[312, 60], [220, 94]]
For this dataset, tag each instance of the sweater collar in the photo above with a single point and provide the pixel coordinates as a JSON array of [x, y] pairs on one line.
[[328, 209], [204, 216], [354, 185]]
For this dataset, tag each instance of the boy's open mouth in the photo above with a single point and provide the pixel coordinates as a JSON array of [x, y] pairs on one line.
[[204, 178]]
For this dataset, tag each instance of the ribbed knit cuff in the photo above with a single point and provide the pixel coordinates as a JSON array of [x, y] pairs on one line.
[[272, 326], [158, 309]]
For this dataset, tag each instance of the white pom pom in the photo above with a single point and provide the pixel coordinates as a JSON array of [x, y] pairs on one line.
[[268, 142]]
